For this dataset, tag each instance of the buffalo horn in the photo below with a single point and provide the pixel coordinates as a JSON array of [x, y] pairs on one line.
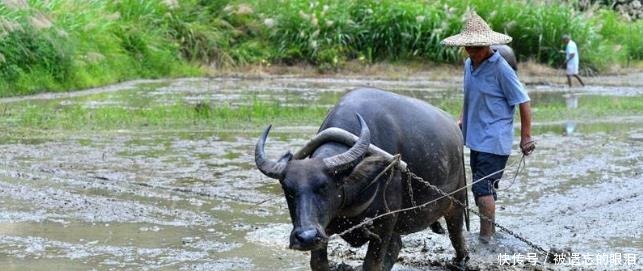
[[340, 136], [269, 168], [352, 156]]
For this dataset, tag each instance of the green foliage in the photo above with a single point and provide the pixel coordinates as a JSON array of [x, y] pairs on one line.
[[31, 52], [65, 44], [127, 110], [314, 32], [537, 28], [399, 30], [625, 37], [591, 107], [330, 32]]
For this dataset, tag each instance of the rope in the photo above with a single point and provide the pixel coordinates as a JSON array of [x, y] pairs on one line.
[[415, 177], [517, 236], [521, 164], [394, 161], [369, 221]]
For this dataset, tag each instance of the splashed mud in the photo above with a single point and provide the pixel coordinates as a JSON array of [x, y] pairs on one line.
[[193, 200]]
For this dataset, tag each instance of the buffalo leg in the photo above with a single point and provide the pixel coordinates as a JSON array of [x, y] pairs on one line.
[[393, 250], [319, 259], [455, 220], [378, 247]]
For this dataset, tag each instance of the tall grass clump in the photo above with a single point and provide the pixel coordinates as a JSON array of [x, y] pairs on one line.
[[217, 33], [321, 33], [627, 37], [64, 44], [330, 32], [141, 35], [405, 29], [32, 50]]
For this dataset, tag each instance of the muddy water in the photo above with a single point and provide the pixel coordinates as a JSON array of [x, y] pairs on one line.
[[192, 199]]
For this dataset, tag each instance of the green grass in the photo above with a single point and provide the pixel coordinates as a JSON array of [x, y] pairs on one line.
[[59, 45], [130, 110], [51, 115], [589, 108], [620, 129]]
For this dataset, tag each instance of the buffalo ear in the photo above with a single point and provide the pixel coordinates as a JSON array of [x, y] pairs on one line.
[[285, 158], [367, 169]]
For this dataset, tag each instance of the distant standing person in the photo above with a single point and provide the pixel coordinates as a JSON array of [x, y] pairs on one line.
[[571, 60]]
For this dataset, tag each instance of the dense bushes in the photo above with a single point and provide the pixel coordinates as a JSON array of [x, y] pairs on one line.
[[58, 45], [369, 30], [386, 29], [63, 44]]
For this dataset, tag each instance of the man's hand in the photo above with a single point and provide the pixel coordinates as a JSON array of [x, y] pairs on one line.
[[527, 145]]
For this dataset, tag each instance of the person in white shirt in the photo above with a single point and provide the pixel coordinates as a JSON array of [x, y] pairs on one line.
[[571, 60]]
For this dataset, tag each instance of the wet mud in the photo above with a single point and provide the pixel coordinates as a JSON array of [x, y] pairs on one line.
[[193, 200]]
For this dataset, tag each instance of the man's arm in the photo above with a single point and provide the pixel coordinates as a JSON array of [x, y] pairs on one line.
[[527, 144], [570, 57]]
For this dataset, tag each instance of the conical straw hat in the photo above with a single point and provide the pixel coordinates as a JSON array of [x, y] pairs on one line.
[[476, 33]]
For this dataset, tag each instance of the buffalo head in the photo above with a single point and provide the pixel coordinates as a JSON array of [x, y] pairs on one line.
[[313, 187]]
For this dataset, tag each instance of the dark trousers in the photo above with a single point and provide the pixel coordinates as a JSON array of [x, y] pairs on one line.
[[483, 164]]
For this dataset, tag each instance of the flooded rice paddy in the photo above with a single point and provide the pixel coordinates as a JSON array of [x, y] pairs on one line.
[[191, 198]]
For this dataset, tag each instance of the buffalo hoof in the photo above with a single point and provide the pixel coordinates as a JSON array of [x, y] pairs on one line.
[[437, 228], [458, 265]]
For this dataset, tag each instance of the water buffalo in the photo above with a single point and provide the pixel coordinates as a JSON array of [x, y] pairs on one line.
[[332, 188], [508, 54]]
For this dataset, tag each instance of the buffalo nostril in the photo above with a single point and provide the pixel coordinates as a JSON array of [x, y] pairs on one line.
[[307, 236]]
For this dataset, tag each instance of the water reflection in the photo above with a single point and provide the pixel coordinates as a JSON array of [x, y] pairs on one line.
[[571, 100], [570, 127], [572, 103]]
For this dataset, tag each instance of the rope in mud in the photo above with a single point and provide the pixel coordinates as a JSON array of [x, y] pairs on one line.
[[517, 236], [411, 175]]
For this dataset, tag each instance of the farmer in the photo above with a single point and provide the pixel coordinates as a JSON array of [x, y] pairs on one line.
[[571, 60], [491, 92]]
